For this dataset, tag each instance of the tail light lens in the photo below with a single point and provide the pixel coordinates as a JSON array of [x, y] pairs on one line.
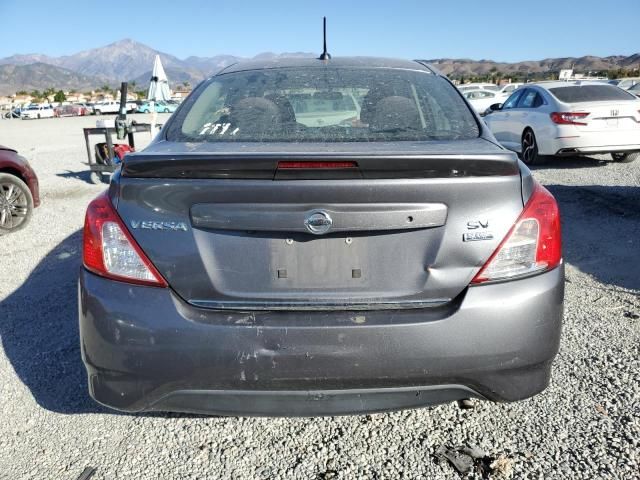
[[569, 118], [533, 245], [109, 249]]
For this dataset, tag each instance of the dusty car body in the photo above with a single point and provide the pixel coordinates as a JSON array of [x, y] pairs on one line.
[[256, 259]]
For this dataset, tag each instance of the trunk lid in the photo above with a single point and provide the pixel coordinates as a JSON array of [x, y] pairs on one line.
[[231, 231], [610, 117]]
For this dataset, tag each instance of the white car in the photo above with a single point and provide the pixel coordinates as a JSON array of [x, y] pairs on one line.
[[568, 118], [625, 83], [478, 86], [37, 111], [481, 100], [112, 106], [509, 88]]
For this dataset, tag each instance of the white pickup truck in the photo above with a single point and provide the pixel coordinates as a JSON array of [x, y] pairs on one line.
[[112, 106], [37, 111]]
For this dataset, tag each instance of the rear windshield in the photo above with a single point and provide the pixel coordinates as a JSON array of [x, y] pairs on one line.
[[589, 93], [324, 104]]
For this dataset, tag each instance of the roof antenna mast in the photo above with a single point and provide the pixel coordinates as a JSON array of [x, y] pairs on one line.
[[324, 55]]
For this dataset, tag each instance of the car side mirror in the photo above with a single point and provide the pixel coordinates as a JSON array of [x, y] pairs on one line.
[[495, 107]]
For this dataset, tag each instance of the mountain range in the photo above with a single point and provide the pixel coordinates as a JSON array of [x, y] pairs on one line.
[[132, 61]]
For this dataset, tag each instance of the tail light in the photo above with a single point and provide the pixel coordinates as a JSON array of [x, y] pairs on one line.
[[533, 244], [569, 118], [110, 251]]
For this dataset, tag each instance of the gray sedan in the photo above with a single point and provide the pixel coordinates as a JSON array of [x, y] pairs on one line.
[[320, 237]]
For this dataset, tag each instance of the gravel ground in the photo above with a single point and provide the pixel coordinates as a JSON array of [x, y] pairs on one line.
[[586, 425]]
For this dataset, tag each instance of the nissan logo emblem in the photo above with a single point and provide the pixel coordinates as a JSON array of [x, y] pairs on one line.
[[318, 222]]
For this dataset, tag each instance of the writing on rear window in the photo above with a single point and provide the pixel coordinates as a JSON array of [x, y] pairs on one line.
[[325, 105]]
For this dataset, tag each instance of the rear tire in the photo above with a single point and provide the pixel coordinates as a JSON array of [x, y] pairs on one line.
[[624, 157], [529, 148], [16, 204], [98, 112]]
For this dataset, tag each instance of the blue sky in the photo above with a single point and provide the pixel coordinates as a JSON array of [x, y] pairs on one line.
[[500, 30]]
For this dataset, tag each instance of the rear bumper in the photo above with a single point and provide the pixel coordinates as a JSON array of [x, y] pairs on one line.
[[146, 349], [568, 141], [565, 151]]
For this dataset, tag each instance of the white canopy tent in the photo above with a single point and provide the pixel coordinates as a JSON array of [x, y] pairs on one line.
[[158, 90], [159, 84]]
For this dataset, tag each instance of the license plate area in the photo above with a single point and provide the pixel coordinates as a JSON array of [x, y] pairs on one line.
[[322, 263]]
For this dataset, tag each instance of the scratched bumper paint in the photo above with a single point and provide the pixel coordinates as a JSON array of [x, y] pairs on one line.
[[147, 349]]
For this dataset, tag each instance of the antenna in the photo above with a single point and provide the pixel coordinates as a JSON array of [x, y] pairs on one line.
[[324, 55]]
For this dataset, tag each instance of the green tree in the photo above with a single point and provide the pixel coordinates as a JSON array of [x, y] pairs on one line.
[[22, 92], [36, 94], [59, 96]]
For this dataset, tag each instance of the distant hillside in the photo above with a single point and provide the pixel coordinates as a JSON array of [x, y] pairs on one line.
[[464, 67], [40, 76], [132, 61]]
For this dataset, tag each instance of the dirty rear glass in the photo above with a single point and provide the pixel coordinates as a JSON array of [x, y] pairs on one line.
[[324, 104], [590, 93]]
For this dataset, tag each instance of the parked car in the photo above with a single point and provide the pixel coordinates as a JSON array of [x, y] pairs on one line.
[[624, 83], [69, 110], [19, 193], [568, 118], [481, 100], [87, 108], [112, 106], [246, 263], [160, 107], [509, 88], [635, 90], [106, 106], [478, 86], [90, 108], [15, 113], [37, 111]]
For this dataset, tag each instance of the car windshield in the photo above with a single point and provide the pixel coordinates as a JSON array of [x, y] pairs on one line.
[[324, 104], [590, 93]]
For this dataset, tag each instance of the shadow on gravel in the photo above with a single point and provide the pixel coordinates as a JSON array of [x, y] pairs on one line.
[[39, 332], [601, 231], [85, 176]]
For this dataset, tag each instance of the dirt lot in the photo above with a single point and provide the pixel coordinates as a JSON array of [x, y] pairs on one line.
[[585, 425]]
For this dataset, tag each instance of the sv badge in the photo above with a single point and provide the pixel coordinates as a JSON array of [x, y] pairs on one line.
[[479, 233], [476, 224]]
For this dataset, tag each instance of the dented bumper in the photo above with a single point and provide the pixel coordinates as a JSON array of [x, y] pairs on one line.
[[147, 349]]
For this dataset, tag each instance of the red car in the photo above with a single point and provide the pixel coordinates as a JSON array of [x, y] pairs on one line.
[[19, 193], [70, 111]]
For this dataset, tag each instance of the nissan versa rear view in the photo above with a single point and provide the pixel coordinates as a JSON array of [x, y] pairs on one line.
[[319, 237]]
